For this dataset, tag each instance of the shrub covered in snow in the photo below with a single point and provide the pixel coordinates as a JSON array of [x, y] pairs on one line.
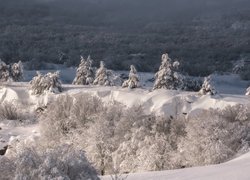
[[103, 76], [168, 76], [69, 113], [207, 87], [129, 140], [46, 83], [133, 81], [214, 136], [59, 162], [10, 111], [85, 72]]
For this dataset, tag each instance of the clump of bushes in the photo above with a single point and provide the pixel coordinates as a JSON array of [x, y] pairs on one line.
[[10, 111], [58, 162], [130, 140], [49, 82]]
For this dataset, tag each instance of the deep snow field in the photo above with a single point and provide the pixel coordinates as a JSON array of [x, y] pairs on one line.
[[163, 102]]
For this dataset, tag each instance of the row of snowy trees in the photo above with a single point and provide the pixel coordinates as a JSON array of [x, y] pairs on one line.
[[168, 77], [12, 72], [86, 75]]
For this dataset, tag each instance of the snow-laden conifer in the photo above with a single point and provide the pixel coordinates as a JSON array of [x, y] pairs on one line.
[[4, 72], [85, 72], [168, 76], [133, 81], [207, 87], [16, 71], [103, 76]]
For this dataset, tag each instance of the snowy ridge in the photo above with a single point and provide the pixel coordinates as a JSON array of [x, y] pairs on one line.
[[236, 169], [162, 102]]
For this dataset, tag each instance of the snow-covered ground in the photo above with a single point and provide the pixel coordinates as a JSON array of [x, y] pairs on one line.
[[236, 169], [164, 102]]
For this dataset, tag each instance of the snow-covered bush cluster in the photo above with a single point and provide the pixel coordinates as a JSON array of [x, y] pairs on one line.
[[85, 73], [12, 72], [115, 137], [133, 81], [207, 87], [59, 162], [215, 136], [10, 111], [49, 82], [168, 76]]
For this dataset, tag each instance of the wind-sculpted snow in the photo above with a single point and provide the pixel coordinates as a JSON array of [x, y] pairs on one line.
[[235, 169], [232, 170], [163, 102]]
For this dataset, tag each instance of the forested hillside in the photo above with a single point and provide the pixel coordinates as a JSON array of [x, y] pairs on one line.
[[205, 36]]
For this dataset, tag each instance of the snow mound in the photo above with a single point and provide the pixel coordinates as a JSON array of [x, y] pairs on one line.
[[235, 169], [162, 102], [8, 94]]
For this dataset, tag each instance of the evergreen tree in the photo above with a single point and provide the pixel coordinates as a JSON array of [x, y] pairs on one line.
[[207, 87], [103, 76], [85, 72], [17, 71], [168, 76], [133, 81], [4, 72]]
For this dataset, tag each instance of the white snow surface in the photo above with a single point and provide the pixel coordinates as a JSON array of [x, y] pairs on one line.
[[162, 102], [236, 169]]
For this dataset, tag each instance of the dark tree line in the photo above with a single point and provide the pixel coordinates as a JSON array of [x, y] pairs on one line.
[[205, 37]]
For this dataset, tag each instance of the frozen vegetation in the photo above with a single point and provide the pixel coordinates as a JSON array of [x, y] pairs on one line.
[[49, 82], [133, 80], [85, 72]]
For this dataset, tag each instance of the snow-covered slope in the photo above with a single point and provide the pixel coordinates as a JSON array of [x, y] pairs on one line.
[[164, 102], [236, 169]]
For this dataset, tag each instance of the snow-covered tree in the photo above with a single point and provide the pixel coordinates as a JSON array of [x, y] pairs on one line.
[[85, 72], [168, 76], [133, 81], [103, 76], [248, 91], [4, 72], [46, 83], [238, 66], [17, 71], [207, 87]]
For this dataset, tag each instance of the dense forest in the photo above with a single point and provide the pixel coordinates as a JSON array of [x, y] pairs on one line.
[[205, 36]]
